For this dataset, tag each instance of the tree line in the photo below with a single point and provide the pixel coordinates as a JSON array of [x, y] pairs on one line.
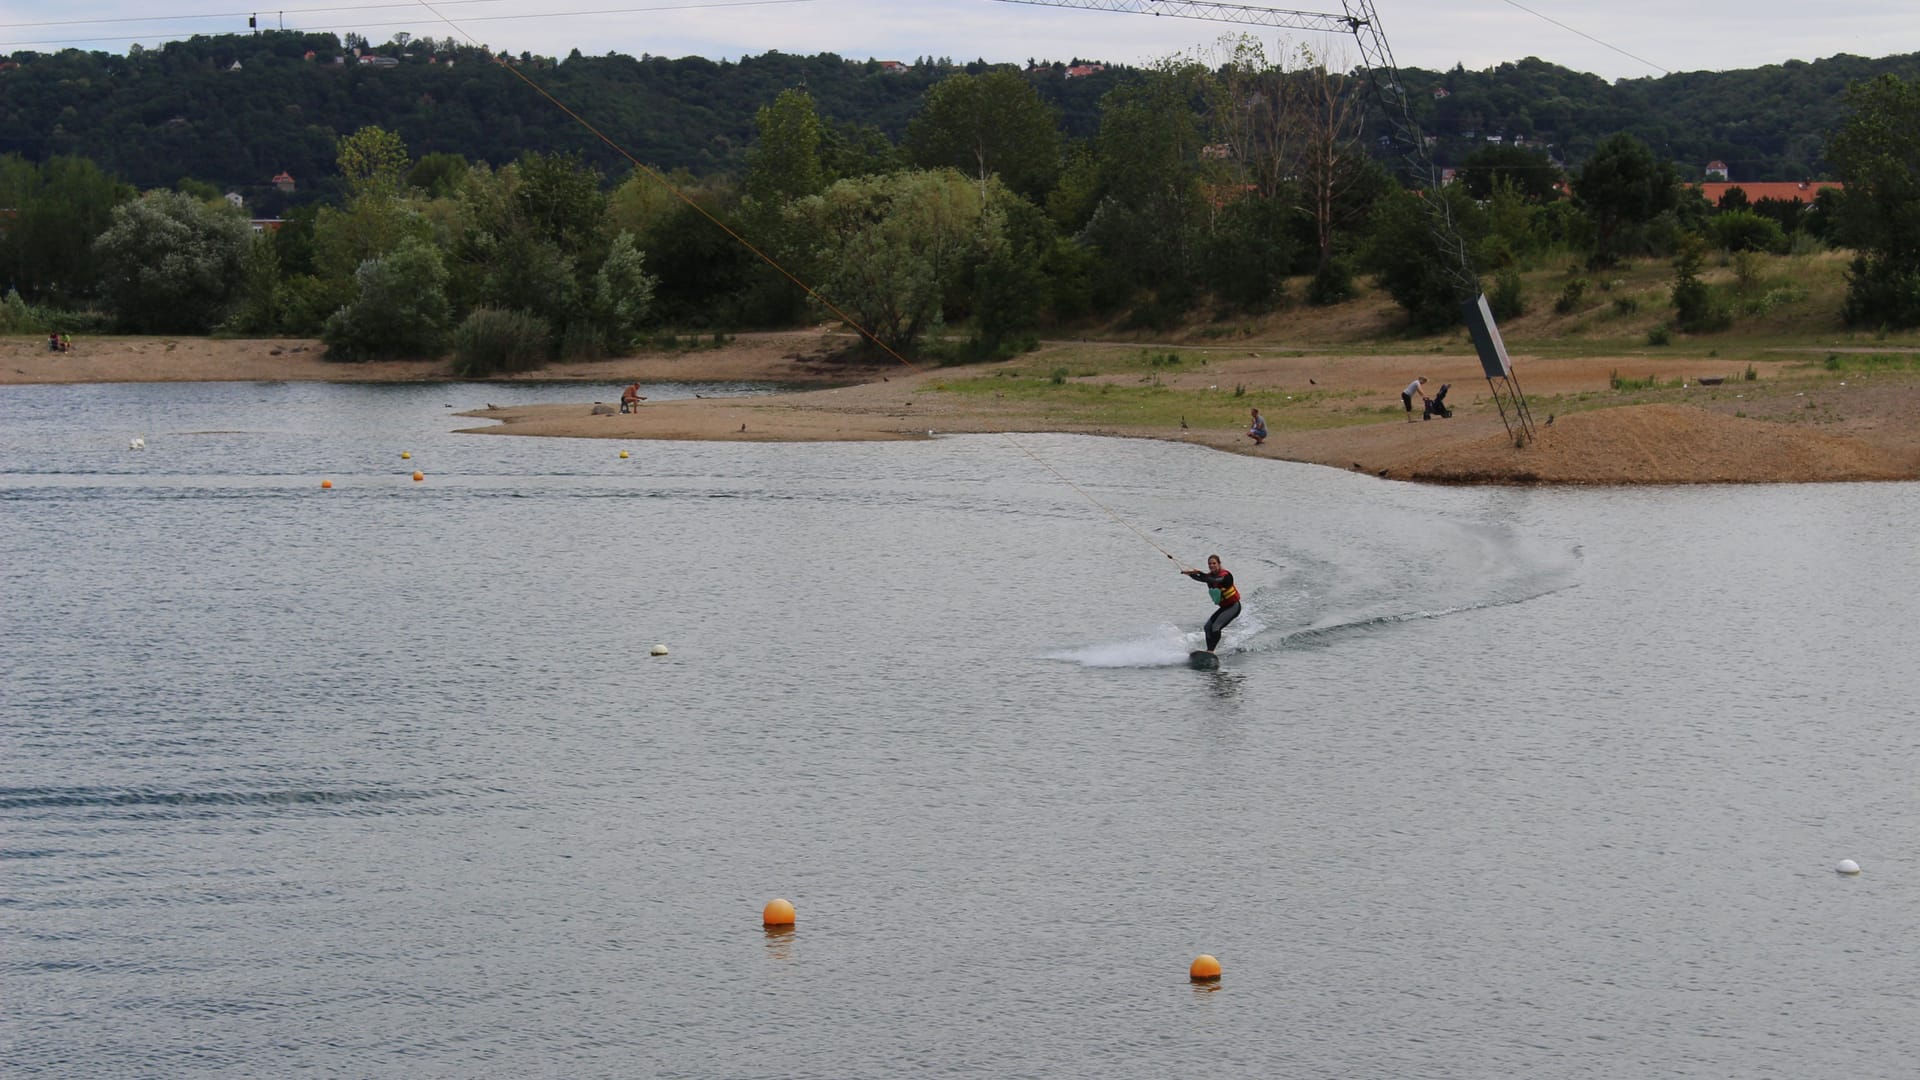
[[1234, 182], [237, 110]]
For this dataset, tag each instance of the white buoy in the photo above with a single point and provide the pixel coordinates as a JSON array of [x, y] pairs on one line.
[[659, 650], [1847, 866], [137, 443]]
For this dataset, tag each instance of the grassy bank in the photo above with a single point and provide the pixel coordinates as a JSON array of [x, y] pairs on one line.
[[1784, 328]]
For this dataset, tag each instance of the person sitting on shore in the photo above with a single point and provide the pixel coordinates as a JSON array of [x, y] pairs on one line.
[[630, 398], [1258, 432], [1437, 405], [53, 342]]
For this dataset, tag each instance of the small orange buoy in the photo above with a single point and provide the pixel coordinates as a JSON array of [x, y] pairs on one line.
[[777, 913], [419, 476], [1205, 969], [326, 483]]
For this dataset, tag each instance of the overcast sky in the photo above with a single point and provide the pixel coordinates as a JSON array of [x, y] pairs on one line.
[[1674, 35]]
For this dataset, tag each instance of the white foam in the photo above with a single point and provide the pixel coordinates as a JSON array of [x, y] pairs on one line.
[[1162, 646]]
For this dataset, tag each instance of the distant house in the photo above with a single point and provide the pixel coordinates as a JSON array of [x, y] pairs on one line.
[[284, 181], [380, 61], [234, 200], [1081, 71], [893, 67], [9, 65], [1716, 169], [235, 66], [1448, 176], [1786, 190], [1441, 92], [309, 57], [1216, 152], [266, 224]]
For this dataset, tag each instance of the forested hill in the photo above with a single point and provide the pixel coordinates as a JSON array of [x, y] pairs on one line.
[[236, 110]]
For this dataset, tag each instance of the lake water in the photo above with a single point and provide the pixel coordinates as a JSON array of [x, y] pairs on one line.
[[382, 781]]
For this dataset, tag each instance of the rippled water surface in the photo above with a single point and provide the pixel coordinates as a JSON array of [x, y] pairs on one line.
[[382, 781]]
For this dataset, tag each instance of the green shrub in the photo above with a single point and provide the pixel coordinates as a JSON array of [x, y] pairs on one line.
[[1626, 305], [490, 341], [400, 309], [1744, 230], [16, 317], [1697, 308], [1660, 335], [1509, 296], [1331, 284], [1571, 296]]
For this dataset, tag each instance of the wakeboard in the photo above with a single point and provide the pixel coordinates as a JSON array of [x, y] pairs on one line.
[[1201, 660]]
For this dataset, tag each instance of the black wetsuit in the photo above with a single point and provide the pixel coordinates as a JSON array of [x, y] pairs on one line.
[[1228, 597]]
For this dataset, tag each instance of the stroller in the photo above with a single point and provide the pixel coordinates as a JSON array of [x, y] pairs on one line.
[[1437, 405]]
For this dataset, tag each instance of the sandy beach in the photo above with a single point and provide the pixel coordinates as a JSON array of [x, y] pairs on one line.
[[1793, 422]]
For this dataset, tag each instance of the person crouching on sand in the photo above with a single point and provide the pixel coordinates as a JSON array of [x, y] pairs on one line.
[[1258, 432]]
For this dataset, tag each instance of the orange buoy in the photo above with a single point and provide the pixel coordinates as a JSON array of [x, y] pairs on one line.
[[777, 913], [326, 483], [419, 476], [1205, 969]]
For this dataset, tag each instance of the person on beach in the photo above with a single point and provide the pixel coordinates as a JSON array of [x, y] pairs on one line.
[[630, 398], [1258, 432], [1220, 586], [1412, 391]]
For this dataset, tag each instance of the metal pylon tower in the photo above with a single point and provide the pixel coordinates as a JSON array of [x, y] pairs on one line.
[[1358, 18]]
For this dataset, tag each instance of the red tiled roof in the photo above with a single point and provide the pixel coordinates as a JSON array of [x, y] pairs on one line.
[[1784, 190]]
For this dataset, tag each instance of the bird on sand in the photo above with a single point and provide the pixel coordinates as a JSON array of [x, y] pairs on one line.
[[1549, 419]]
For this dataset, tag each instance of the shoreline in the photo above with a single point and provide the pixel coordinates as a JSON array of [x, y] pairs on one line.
[[1793, 423]]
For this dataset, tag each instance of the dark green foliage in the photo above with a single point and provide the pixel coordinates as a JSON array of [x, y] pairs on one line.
[[1877, 153], [158, 113], [1508, 300], [1881, 292], [172, 264], [1572, 295], [1530, 172], [1331, 284], [992, 124], [1148, 226], [490, 341], [1407, 262], [438, 176], [1623, 187], [400, 311], [46, 246], [1744, 230], [1697, 307], [1249, 253]]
